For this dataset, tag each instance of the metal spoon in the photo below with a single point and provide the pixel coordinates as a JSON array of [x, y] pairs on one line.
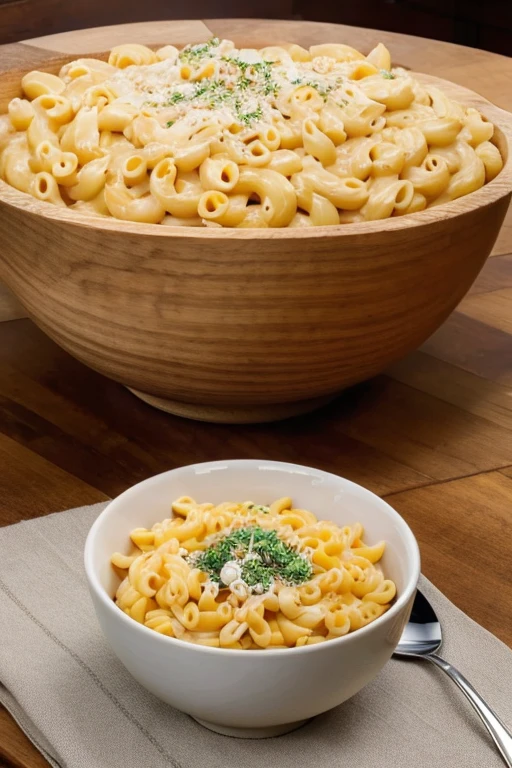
[[421, 638]]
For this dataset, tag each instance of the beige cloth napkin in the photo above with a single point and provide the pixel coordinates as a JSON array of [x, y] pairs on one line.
[[81, 709]]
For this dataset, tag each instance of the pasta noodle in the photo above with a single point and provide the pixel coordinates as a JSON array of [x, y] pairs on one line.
[[216, 136], [247, 576]]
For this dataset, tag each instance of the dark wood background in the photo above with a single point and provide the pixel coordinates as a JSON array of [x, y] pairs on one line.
[[478, 23], [483, 24], [22, 19]]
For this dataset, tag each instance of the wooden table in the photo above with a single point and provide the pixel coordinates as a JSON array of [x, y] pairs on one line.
[[433, 435]]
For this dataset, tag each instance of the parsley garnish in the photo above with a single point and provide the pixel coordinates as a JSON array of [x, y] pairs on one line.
[[169, 123], [273, 558], [201, 88], [196, 52], [255, 75], [322, 90], [253, 81], [174, 99], [269, 87], [387, 74], [236, 62], [250, 117]]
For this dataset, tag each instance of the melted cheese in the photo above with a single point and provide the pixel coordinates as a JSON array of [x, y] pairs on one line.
[[239, 87]]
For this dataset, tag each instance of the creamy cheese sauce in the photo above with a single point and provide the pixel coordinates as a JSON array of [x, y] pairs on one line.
[[230, 85]]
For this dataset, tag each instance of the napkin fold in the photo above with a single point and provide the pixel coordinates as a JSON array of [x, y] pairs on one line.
[[82, 709]]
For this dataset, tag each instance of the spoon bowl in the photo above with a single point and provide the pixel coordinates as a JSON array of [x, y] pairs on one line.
[[422, 634]]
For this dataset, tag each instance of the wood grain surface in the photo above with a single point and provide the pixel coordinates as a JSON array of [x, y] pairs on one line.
[[488, 74], [433, 435], [248, 329]]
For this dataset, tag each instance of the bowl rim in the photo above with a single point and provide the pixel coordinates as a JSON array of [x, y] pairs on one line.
[[488, 194], [404, 529]]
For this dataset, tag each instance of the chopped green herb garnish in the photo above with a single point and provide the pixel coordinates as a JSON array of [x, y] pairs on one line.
[[262, 555], [256, 76], [197, 52], [250, 117], [387, 74], [201, 88], [236, 62], [174, 99], [269, 88], [323, 90], [256, 572], [320, 88], [169, 123], [241, 91]]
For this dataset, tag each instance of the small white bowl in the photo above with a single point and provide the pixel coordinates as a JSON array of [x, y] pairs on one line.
[[251, 694]]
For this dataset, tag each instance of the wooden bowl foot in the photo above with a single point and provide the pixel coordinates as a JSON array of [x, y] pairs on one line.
[[225, 414]]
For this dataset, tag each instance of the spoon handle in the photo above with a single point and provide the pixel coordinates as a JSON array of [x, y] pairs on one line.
[[498, 731]]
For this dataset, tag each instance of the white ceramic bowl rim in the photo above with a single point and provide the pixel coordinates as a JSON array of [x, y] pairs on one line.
[[405, 532]]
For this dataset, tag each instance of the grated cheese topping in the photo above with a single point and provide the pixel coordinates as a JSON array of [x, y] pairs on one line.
[[215, 79]]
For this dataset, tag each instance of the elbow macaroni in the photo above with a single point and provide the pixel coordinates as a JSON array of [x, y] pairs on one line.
[[177, 581], [216, 136]]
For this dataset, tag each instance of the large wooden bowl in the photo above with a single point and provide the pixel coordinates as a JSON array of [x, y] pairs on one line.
[[245, 325]]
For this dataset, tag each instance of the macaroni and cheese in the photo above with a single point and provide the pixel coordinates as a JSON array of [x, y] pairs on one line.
[[212, 135], [247, 576]]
